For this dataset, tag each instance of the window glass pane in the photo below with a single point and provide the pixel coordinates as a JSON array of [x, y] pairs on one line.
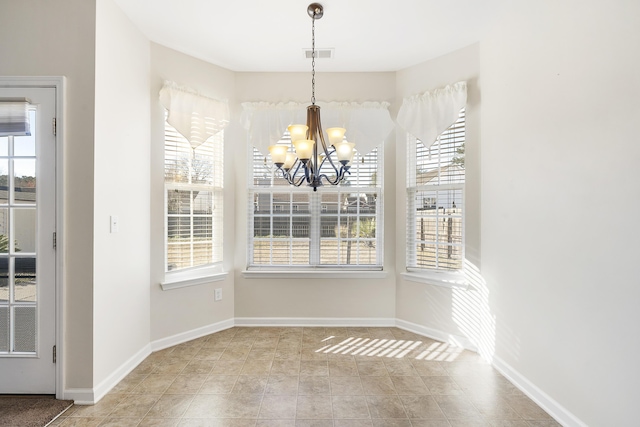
[[178, 202], [4, 280], [26, 145], [4, 230], [4, 181], [24, 230], [24, 329], [4, 328], [4, 145], [435, 216], [24, 181], [25, 279], [325, 220]]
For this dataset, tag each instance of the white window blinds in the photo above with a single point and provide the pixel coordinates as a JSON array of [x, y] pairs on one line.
[[435, 200]]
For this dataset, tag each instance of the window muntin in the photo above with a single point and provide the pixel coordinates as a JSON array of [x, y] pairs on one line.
[[193, 201], [435, 201], [335, 226]]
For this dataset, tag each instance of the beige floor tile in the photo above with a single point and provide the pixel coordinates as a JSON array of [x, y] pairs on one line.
[[526, 408], [314, 385], [430, 423], [154, 384], [457, 407], [101, 409], [400, 368], [159, 422], [313, 407], [216, 422], [224, 406], [377, 386], [120, 422], [314, 368], [314, 423], [352, 423], [343, 368], [186, 384], [285, 367], [250, 384], [278, 407], [351, 407], [198, 367], [135, 406], [227, 367], [421, 407], [373, 368], [386, 407], [211, 354], [129, 383], [428, 368], [409, 385], [82, 422], [282, 384], [346, 386], [256, 367], [312, 377], [218, 384], [276, 423], [170, 406], [442, 385]]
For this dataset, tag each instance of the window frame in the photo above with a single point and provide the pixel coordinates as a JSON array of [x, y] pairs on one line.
[[453, 278], [317, 209], [208, 272]]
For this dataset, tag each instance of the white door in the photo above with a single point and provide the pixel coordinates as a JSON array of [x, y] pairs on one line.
[[27, 253]]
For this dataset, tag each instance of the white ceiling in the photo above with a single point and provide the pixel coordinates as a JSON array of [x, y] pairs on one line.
[[263, 36]]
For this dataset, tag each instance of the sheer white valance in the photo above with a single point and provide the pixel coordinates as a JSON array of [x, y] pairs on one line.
[[367, 124], [14, 117], [427, 115], [195, 116]]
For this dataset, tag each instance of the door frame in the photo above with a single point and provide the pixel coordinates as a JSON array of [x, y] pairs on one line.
[[59, 83]]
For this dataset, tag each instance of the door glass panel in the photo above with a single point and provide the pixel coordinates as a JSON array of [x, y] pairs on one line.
[[24, 329], [24, 181], [24, 228], [18, 245], [4, 181], [25, 280], [4, 280], [4, 329], [26, 145], [4, 230]]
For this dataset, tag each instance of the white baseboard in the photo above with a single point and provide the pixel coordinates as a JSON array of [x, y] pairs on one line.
[[456, 340], [80, 396], [542, 399], [190, 335], [315, 321], [84, 396]]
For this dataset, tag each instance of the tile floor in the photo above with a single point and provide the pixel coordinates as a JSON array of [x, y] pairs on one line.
[[304, 377]]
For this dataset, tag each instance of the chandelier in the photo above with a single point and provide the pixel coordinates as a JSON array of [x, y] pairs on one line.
[[311, 150]]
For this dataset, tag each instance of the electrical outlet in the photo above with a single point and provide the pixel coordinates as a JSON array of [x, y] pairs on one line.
[[218, 294]]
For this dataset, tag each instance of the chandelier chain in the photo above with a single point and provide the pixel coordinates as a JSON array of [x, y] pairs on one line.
[[313, 60]]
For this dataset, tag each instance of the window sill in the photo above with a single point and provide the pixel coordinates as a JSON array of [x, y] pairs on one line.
[[315, 274], [453, 281], [192, 281]]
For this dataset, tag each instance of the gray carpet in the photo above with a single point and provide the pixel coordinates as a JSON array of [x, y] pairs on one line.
[[30, 411]]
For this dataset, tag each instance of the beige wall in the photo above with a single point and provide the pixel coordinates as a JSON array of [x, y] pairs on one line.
[[307, 298], [121, 325], [184, 309], [429, 305], [58, 39], [561, 200]]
